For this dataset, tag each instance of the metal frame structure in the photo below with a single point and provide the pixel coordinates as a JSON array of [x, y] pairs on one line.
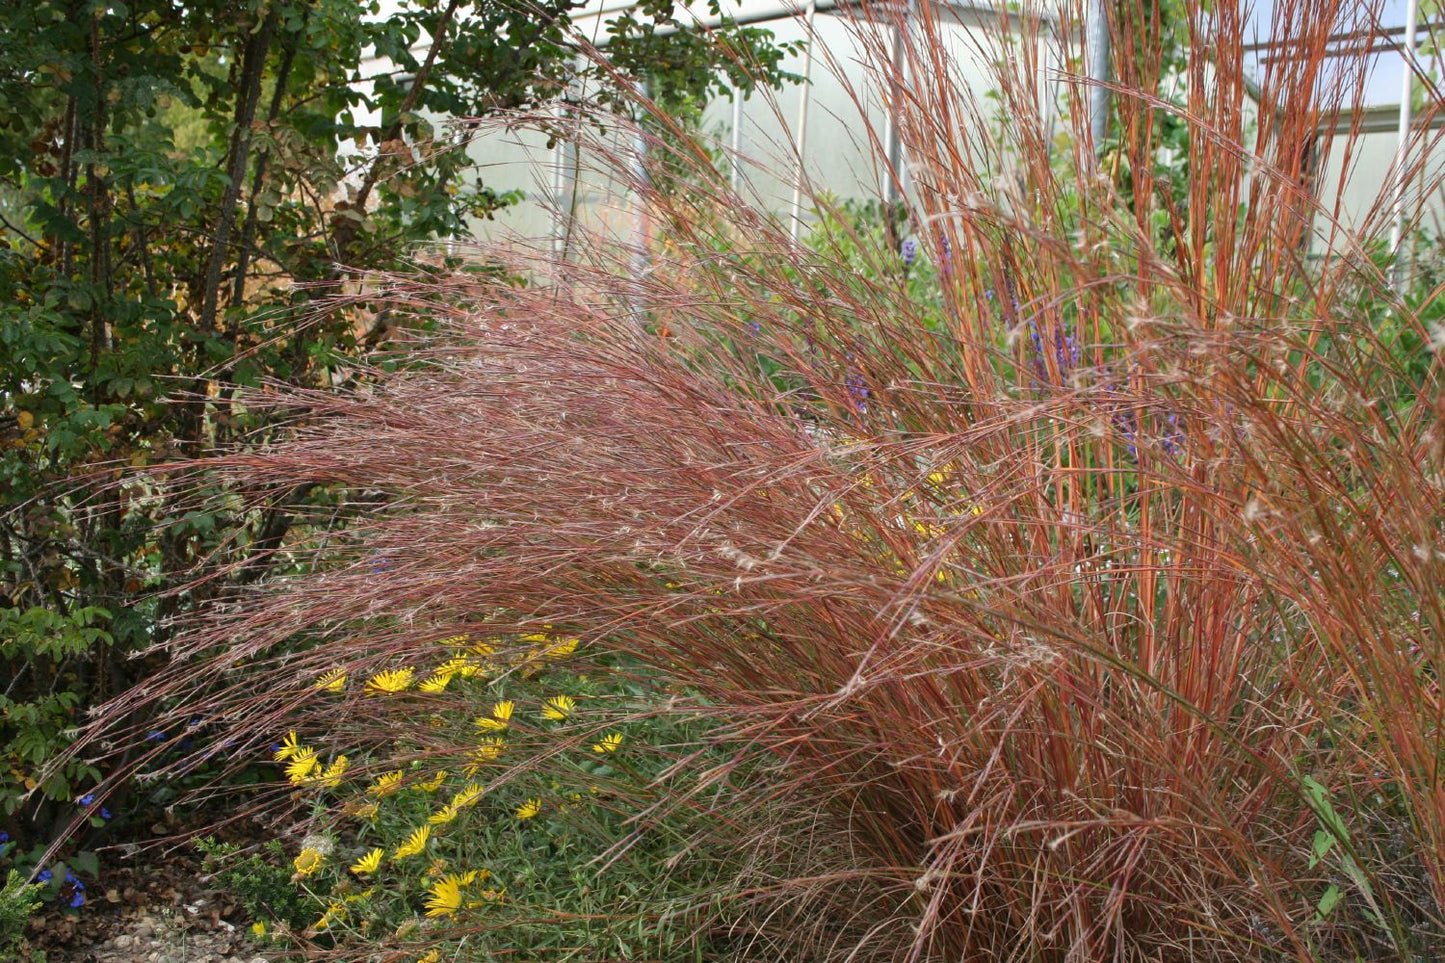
[[967, 13], [1378, 120], [984, 13]]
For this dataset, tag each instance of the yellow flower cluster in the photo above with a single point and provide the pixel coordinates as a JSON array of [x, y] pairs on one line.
[[449, 891], [304, 767]]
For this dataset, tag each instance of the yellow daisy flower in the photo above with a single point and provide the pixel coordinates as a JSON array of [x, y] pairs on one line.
[[369, 863], [333, 680], [386, 783], [558, 708], [445, 899], [490, 748], [390, 682], [609, 743], [499, 719], [468, 795], [529, 809], [330, 777], [307, 861], [562, 650], [333, 913], [434, 783], [414, 844], [431, 957], [288, 748], [485, 647], [258, 929], [443, 815], [437, 682], [302, 763]]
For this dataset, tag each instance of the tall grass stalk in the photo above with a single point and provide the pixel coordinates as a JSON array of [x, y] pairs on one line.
[[1052, 616]]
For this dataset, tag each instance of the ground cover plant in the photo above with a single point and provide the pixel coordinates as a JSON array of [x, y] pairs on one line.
[[1084, 608]]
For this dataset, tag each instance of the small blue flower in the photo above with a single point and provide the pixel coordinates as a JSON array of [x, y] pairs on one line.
[[104, 813], [4, 837], [44, 876], [78, 900], [155, 735], [909, 250], [87, 799]]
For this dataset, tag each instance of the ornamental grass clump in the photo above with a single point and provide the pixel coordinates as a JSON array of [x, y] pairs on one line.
[[1085, 606]]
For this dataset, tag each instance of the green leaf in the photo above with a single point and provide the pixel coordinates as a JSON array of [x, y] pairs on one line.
[[1323, 843], [1327, 902]]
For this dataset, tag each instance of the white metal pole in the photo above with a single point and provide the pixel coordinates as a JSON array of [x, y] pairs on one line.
[[642, 181], [1402, 150], [735, 177], [1096, 40], [892, 139], [801, 141], [559, 227]]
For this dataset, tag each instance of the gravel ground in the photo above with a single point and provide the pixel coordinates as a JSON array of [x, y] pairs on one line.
[[158, 911]]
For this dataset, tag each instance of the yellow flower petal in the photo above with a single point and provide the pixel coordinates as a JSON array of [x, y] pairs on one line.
[[390, 682], [562, 650], [500, 718], [445, 899], [414, 844], [437, 682], [609, 743], [330, 777], [558, 708], [303, 763], [333, 680], [369, 863], [489, 749], [386, 783], [288, 748], [468, 795]]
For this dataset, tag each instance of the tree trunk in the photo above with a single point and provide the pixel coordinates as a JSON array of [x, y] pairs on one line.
[[253, 64]]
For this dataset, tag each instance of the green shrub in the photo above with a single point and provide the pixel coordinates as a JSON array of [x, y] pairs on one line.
[[18, 900]]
